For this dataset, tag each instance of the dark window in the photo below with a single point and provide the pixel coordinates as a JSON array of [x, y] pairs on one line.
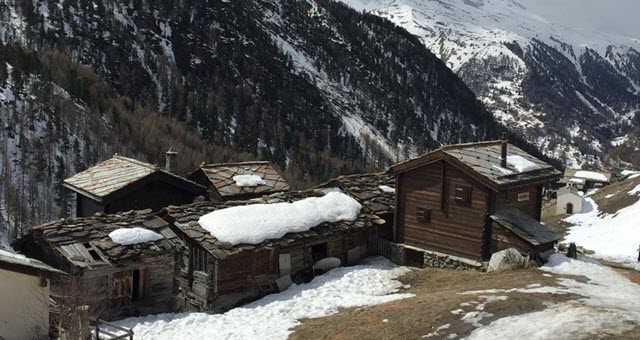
[[319, 251], [199, 260], [423, 215], [463, 195]]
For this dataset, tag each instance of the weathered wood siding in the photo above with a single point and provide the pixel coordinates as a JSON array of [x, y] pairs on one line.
[[503, 238], [454, 229], [154, 196], [530, 207]]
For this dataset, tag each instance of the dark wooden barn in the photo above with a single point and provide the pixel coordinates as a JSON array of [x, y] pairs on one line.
[[220, 275], [219, 180], [123, 184], [115, 280], [471, 200]]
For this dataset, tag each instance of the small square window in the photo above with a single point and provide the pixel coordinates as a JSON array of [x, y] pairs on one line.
[[523, 196], [423, 215], [463, 195]]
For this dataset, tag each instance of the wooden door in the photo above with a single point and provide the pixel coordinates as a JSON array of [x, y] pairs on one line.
[[569, 208]]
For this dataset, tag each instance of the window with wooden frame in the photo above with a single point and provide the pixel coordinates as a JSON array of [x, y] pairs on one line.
[[463, 195], [423, 215], [262, 262], [523, 196], [199, 259]]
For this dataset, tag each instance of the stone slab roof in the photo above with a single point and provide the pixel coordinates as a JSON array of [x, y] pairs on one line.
[[186, 219], [586, 175], [117, 173], [85, 241], [524, 226], [482, 161], [366, 189], [221, 178]]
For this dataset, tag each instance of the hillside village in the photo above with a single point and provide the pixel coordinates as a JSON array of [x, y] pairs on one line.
[[222, 252], [319, 169]]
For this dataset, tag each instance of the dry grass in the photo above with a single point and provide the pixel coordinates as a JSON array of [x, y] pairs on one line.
[[437, 294]]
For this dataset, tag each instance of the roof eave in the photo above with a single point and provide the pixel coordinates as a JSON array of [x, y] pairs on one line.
[[96, 198]]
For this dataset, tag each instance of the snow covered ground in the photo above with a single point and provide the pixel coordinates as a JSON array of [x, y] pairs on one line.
[[610, 305], [614, 237], [273, 317]]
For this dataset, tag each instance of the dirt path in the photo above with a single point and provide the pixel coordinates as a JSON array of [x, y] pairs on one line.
[[437, 295]]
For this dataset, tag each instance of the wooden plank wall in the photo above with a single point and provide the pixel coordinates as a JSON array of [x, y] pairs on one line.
[[454, 229], [509, 199]]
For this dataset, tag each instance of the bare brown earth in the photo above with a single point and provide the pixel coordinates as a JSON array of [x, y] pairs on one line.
[[437, 294]]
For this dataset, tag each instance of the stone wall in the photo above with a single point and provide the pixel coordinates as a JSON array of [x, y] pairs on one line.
[[397, 253]]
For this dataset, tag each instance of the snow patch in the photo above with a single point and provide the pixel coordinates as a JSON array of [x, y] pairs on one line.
[[255, 223], [128, 236], [387, 188], [275, 315], [592, 175], [522, 164], [248, 180]]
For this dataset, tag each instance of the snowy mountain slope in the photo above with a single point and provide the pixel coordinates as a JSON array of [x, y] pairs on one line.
[[568, 90]]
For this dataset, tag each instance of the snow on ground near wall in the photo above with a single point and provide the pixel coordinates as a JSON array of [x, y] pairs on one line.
[[609, 304], [273, 317], [127, 236], [255, 223], [248, 180], [613, 237], [522, 164], [596, 176]]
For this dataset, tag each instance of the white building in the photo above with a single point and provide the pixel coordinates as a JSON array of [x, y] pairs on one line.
[[570, 200], [24, 297]]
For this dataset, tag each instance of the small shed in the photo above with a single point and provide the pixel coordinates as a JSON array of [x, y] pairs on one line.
[[123, 184], [24, 296], [569, 200], [225, 181], [586, 179], [513, 229], [220, 276], [128, 273]]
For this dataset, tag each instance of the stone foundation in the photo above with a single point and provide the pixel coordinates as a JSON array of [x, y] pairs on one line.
[[406, 255]]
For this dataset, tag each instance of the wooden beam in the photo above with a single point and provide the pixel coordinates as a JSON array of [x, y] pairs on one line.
[[443, 183]]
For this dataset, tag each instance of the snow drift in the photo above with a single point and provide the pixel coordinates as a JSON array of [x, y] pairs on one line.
[[255, 223]]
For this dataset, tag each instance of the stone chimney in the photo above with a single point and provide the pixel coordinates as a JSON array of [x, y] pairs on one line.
[[171, 164], [503, 150]]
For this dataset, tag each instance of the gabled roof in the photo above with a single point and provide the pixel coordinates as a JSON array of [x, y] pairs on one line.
[[186, 217], [366, 189], [18, 262], [524, 226], [221, 178], [481, 161], [85, 241], [105, 179]]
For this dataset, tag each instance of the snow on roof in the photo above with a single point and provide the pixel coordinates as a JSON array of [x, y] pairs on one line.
[[21, 260], [592, 175], [635, 191], [387, 188], [127, 236], [248, 180], [255, 223], [16, 256], [522, 164]]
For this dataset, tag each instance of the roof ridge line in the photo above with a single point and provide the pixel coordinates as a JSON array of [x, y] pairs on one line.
[[466, 145], [233, 163]]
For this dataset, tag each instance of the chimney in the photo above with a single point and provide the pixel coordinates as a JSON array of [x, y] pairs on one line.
[[171, 163], [503, 151]]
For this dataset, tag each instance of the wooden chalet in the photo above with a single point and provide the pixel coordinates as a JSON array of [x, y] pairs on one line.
[[218, 179], [123, 184], [219, 276], [471, 200], [114, 280]]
